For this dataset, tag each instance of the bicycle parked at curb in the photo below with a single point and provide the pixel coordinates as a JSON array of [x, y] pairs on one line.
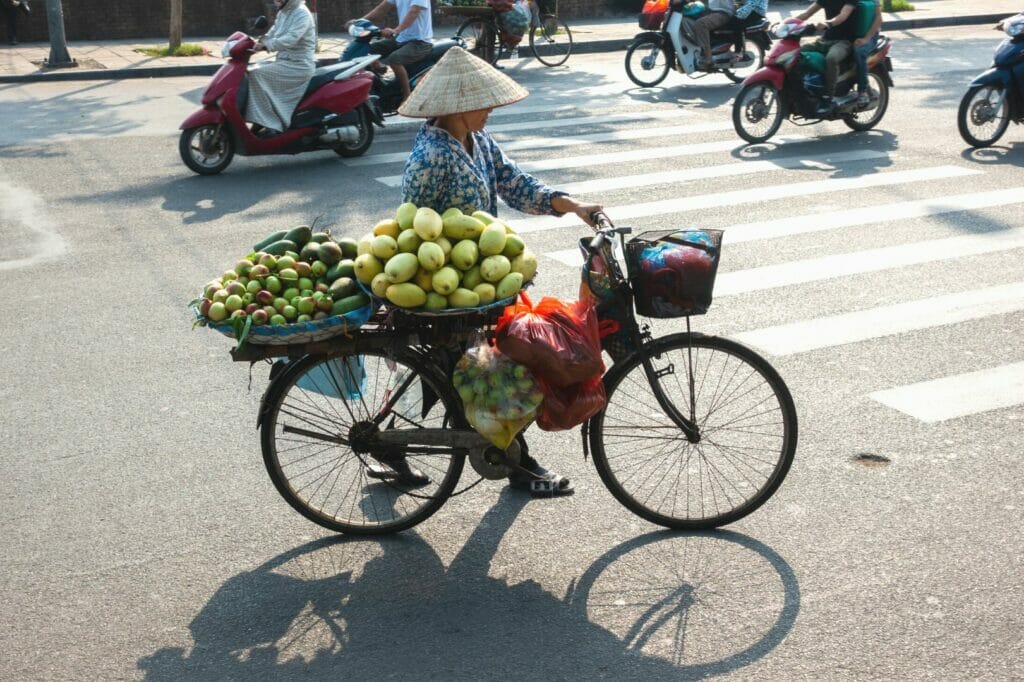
[[698, 431], [549, 37]]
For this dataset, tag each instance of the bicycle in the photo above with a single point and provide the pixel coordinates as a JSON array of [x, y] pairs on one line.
[[698, 431], [550, 39]]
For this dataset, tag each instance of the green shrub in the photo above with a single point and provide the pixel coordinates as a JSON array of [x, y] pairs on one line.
[[184, 50], [897, 6]]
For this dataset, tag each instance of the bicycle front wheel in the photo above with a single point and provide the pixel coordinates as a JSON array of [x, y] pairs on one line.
[[551, 40], [481, 39], [746, 421], [318, 423]]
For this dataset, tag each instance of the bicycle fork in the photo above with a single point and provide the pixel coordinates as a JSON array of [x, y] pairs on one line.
[[688, 425]]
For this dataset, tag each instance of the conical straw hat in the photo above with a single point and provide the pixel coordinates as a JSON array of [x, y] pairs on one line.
[[458, 83]]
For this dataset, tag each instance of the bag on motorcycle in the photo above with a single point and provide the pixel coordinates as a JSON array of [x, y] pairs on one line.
[[673, 273], [559, 342], [652, 14]]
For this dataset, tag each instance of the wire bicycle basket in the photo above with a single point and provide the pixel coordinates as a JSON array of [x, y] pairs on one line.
[[673, 271]]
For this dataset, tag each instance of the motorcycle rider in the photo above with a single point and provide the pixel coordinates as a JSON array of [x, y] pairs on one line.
[[720, 13], [862, 50], [275, 88], [837, 43], [408, 42], [750, 13]]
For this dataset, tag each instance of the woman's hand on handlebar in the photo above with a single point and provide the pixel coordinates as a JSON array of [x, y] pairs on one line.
[[566, 204]]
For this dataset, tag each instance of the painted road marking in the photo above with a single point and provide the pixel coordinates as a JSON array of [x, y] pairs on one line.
[[836, 330], [592, 160], [744, 196], [868, 260], [882, 213], [569, 122], [824, 162], [958, 396]]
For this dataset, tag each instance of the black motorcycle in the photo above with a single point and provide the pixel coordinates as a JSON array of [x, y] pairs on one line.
[[386, 92]]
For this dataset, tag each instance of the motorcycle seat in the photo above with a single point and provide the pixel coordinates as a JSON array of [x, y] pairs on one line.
[[324, 75], [442, 46]]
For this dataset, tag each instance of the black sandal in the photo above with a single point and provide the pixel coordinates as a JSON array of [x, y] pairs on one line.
[[540, 482]]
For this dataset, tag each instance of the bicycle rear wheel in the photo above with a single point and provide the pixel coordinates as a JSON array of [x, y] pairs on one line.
[[551, 40], [317, 425], [747, 424], [481, 38]]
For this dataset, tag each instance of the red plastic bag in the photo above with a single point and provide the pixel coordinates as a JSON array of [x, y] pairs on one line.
[[564, 408], [559, 342]]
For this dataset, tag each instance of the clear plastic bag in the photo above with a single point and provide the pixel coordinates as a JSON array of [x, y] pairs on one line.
[[500, 396]]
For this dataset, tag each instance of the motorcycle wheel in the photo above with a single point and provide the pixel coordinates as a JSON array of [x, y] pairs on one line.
[[206, 150], [740, 75], [359, 147], [758, 112], [871, 117], [647, 62], [979, 124]]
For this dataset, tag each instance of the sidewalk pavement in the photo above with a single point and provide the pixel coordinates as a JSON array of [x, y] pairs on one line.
[[115, 60]]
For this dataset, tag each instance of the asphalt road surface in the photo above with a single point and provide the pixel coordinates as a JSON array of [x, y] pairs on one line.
[[880, 272]]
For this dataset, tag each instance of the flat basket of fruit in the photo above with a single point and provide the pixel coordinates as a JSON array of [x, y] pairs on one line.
[[425, 264], [295, 286]]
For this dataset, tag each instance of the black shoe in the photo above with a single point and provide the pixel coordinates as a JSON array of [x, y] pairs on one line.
[[825, 106], [398, 471], [540, 482]]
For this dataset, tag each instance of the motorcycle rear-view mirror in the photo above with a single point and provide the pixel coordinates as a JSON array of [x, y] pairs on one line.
[[260, 23]]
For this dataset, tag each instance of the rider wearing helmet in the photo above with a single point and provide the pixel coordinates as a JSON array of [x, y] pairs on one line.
[[276, 88]]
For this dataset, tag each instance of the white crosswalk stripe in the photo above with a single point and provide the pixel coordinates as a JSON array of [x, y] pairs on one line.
[[568, 123], [958, 396], [836, 330], [738, 197]]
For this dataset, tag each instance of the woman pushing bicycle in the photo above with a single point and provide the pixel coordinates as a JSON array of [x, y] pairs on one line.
[[456, 163]]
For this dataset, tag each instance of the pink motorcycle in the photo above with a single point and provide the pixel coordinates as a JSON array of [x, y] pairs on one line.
[[336, 113]]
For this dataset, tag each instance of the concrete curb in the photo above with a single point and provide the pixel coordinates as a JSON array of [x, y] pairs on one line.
[[583, 47]]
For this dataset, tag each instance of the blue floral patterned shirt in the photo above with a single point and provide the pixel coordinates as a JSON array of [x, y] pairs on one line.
[[759, 6], [440, 174]]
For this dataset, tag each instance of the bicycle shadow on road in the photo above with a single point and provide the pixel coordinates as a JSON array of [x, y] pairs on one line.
[[348, 607]]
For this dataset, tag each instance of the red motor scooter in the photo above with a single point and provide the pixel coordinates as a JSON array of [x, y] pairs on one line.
[[336, 112], [792, 86]]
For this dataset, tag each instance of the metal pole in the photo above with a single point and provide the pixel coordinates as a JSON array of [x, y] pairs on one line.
[[59, 57]]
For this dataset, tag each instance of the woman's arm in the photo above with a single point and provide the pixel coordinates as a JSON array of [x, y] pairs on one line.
[[519, 189]]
